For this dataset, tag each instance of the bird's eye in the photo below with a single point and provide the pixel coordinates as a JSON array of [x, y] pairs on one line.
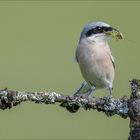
[[95, 30], [98, 28]]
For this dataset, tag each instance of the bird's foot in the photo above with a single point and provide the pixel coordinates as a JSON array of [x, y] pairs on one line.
[[87, 96], [108, 98], [84, 95]]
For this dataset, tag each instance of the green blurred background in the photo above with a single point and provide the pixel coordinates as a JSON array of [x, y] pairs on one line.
[[37, 47]]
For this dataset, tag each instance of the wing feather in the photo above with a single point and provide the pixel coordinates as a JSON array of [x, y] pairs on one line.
[[113, 61]]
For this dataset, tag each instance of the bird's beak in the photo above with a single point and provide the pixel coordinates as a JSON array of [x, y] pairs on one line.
[[115, 33]]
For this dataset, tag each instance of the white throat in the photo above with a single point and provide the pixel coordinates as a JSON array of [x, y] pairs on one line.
[[98, 39]]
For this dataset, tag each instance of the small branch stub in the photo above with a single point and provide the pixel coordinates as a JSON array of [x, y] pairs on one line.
[[134, 110]]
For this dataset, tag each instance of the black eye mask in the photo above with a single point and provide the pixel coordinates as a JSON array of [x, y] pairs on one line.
[[97, 30]]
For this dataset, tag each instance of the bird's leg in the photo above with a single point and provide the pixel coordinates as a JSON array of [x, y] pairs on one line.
[[91, 90], [78, 91], [85, 90], [110, 93]]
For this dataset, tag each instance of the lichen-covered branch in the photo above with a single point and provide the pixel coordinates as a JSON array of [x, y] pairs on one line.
[[10, 98], [124, 107], [109, 105]]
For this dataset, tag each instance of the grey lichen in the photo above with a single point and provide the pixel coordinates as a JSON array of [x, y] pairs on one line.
[[124, 107], [109, 105]]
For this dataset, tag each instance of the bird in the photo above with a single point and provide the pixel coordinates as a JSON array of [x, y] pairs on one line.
[[95, 59]]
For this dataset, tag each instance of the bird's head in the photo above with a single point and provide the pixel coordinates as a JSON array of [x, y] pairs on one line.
[[100, 31]]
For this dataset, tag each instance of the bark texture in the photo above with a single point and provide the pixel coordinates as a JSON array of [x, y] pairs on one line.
[[124, 107]]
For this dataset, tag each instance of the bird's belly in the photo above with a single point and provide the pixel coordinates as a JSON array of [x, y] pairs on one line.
[[94, 73], [94, 77]]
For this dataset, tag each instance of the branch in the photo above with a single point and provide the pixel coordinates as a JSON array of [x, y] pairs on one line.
[[109, 105], [124, 107]]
